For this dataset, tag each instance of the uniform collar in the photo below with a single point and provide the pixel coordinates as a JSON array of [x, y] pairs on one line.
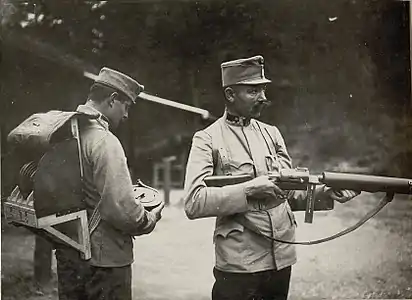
[[236, 120], [91, 111]]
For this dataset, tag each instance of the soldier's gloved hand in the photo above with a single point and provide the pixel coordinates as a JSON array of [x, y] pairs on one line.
[[263, 194], [342, 196]]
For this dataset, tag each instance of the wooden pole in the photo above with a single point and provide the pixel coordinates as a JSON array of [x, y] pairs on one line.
[[167, 177], [166, 181], [145, 96], [155, 179]]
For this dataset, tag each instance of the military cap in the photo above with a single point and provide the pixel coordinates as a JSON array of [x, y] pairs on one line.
[[121, 82], [244, 71]]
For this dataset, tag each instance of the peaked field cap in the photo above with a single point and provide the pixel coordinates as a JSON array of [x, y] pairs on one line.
[[121, 82], [244, 71]]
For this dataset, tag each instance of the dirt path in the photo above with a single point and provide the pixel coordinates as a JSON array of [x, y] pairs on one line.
[[375, 261], [176, 261]]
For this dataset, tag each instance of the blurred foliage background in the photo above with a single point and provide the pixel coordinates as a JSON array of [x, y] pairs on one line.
[[340, 71]]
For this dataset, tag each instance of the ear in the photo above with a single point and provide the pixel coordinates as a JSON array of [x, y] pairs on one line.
[[230, 94], [112, 98]]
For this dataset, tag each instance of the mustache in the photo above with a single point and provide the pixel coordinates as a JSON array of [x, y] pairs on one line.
[[264, 102]]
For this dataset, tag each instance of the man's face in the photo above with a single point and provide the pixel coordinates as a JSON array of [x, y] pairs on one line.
[[119, 109], [248, 100]]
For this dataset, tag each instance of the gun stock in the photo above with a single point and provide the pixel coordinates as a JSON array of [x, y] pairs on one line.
[[222, 180], [290, 184]]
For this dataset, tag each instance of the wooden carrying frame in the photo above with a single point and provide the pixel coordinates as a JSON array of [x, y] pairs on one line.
[[20, 211]]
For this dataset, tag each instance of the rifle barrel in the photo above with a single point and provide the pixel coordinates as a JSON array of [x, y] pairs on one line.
[[367, 183]]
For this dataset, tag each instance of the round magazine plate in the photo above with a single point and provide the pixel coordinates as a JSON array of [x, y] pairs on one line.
[[148, 197]]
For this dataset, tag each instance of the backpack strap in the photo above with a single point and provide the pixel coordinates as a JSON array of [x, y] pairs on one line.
[[95, 218], [74, 125]]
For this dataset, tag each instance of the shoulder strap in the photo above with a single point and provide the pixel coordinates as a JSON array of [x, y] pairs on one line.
[[74, 125], [268, 137], [95, 218], [252, 227], [220, 150]]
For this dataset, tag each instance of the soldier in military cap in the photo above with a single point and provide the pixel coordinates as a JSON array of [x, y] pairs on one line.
[[114, 214], [248, 265]]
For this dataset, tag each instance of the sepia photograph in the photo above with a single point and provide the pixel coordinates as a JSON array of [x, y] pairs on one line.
[[205, 149]]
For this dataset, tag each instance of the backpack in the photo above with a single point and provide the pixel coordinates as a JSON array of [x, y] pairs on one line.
[[50, 189], [47, 146], [49, 192]]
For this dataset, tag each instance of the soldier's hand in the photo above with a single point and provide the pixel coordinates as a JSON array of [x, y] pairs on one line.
[[342, 196], [261, 187], [157, 211]]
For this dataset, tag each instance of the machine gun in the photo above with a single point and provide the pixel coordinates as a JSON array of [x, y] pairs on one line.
[[301, 179]]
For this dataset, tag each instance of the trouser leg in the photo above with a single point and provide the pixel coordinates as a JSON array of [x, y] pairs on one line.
[[275, 286], [265, 285], [235, 286], [78, 280], [72, 274], [110, 283]]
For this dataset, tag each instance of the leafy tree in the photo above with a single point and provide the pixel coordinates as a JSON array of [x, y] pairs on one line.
[[332, 63]]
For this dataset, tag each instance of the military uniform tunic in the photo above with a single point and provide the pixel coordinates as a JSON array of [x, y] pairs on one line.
[[247, 146]]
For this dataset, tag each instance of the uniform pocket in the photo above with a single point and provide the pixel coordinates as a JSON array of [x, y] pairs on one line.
[[241, 167], [224, 230], [291, 215]]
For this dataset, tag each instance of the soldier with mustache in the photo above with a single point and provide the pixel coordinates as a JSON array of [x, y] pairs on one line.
[[248, 265]]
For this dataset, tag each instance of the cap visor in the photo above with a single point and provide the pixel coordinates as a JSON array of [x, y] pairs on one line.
[[255, 81]]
